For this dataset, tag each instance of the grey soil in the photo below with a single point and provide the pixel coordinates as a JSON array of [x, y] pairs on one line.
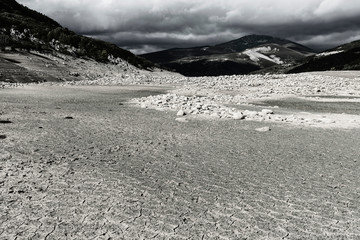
[[115, 171]]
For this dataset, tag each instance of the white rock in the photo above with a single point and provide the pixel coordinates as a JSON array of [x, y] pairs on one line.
[[267, 111], [327, 121], [250, 114], [180, 113], [238, 116], [263, 129], [195, 112], [181, 119], [215, 115]]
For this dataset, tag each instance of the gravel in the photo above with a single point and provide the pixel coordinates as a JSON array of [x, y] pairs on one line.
[[194, 105]]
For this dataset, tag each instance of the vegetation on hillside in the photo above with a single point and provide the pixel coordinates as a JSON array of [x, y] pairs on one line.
[[344, 57], [252, 53], [21, 27]]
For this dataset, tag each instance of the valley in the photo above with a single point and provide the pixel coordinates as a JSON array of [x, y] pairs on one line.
[[252, 138], [156, 155]]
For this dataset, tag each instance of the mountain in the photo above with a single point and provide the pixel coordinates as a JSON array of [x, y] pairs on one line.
[[23, 28], [343, 57], [252, 41], [241, 56]]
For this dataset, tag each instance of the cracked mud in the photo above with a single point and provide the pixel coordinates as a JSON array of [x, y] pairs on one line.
[[83, 163]]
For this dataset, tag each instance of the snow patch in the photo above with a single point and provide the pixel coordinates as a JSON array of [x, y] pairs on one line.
[[255, 54], [328, 53]]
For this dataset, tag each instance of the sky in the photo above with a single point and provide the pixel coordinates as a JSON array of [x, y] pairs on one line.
[[143, 26]]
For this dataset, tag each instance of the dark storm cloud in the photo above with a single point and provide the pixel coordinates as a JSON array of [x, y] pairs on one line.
[[149, 25], [140, 43]]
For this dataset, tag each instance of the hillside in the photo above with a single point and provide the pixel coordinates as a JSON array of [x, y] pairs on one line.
[[252, 41], [241, 56], [23, 28], [343, 57]]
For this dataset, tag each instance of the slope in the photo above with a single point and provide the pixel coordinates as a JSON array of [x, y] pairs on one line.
[[23, 28], [343, 57], [240, 56]]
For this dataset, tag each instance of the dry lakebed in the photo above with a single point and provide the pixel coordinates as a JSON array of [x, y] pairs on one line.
[[148, 156]]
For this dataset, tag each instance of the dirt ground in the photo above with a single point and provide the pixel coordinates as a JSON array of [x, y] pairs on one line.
[[82, 162]]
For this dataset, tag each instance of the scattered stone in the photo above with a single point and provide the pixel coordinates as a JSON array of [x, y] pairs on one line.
[[327, 121], [201, 105], [263, 129], [208, 95], [250, 114], [279, 119], [4, 155], [267, 111], [238, 116], [180, 113], [2, 136], [5, 122], [215, 115], [75, 74]]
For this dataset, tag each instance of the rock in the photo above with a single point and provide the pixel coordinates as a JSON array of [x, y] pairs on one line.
[[180, 113], [267, 111], [327, 121], [75, 74], [4, 155], [250, 114], [279, 119], [206, 112], [238, 116], [68, 117], [181, 120], [2, 136], [215, 115], [263, 129], [195, 112], [5, 121]]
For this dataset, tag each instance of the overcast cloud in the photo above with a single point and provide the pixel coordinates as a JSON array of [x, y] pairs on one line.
[[150, 25]]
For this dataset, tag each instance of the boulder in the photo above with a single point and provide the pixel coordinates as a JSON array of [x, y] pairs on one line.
[[267, 111], [238, 116], [180, 113]]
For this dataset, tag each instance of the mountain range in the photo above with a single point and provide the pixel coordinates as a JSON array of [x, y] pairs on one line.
[[241, 56], [343, 57]]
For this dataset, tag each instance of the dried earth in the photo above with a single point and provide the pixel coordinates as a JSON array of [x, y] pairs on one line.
[[245, 157]]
